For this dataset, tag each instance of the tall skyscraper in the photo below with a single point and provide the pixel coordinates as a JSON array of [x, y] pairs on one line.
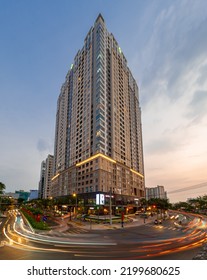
[[42, 180], [98, 138], [46, 174]]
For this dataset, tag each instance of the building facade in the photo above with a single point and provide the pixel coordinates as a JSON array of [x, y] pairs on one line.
[[156, 192], [42, 179], [33, 194], [46, 174], [98, 138]]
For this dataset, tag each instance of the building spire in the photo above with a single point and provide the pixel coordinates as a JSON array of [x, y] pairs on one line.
[[100, 17]]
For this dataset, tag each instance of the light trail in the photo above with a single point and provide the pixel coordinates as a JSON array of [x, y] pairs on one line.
[[41, 238], [28, 247], [142, 250]]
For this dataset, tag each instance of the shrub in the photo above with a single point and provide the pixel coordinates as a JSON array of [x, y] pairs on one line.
[[35, 224]]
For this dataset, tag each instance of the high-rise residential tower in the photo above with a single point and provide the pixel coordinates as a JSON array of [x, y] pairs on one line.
[[42, 180], [156, 192], [98, 138], [46, 174]]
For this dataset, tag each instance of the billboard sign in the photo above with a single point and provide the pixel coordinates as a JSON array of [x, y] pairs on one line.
[[100, 199]]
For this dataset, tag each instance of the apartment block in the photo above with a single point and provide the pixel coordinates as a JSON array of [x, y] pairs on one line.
[[98, 137], [156, 192], [46, 175]]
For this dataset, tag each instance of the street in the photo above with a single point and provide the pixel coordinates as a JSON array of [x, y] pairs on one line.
[[75, 241]]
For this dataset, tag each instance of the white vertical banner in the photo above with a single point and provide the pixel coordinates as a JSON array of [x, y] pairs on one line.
[[100, 199]]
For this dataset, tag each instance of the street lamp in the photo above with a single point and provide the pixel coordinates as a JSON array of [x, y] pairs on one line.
[[76, 202], [110, 208]]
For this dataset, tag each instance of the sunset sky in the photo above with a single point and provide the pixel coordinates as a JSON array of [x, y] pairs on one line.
[[165, 44]]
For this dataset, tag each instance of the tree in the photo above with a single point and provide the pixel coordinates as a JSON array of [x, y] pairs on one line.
[[161, 204], [143, 202], [199, 203], [2, 188]]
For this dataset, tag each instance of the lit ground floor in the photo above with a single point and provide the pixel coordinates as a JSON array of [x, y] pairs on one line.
[[98, 203]]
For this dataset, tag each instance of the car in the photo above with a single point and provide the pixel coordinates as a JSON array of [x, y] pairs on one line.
[[138, 212], [157, 222]]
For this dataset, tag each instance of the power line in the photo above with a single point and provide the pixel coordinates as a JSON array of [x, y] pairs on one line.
[[189, 188]]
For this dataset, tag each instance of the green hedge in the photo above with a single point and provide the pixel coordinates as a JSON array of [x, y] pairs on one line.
[[36, 225]]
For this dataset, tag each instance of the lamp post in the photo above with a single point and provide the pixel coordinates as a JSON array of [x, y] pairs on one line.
[[76, 203], [70, 213], [110, 208]]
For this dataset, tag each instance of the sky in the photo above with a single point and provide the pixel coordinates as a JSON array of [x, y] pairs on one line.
[[165, 44]]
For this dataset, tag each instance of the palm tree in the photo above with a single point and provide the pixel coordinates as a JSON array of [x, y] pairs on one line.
[[2, 188]]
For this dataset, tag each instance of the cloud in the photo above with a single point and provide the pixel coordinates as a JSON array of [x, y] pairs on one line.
[[176, 46], [162, 145], [173, 82], [198, 105], [202, 75], [43, 145]]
